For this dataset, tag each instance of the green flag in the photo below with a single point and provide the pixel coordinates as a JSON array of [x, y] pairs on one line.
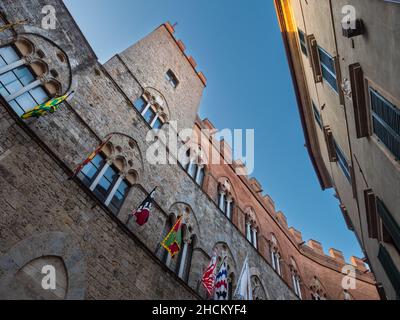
[[50, 106], [172, 243]]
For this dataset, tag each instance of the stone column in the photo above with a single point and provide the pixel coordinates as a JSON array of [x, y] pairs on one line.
[[221, 200], [114, 190], [229, 208], [255, 238], [184, 258], [99, 176]]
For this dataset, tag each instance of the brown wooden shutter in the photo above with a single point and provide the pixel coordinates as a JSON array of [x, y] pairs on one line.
[[353, 181], [339, 80], [347, 217], [372, 215], [361, 113], [330, 143], [314, 57]]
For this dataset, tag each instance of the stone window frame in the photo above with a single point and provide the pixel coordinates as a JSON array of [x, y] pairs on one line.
[[159, 114], [108, 162], [172, 79], [27, 60], [226, 199]]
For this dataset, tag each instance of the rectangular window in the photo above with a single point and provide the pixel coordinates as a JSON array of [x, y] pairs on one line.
[[317, 115], [389, 223], [342, 161], [390, 268], [158, 124], [140, 104], [386, 122], [13, 81], [303, 42], [328, 68], [7, 56], [106, 183], [171, 78], [119, 197], [149, 115], [90, 171]]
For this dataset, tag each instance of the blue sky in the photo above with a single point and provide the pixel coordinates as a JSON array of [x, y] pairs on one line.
[[239, 48]]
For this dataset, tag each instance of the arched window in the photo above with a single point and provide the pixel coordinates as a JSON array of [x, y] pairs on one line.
[[185, 254], [258, 289], [347, 295], [251, 227], [317, 291], [225, 273], [194, 166], [226, 202], [275, 256], [105, 180], [150, 107], [19, 85], [296, 280]]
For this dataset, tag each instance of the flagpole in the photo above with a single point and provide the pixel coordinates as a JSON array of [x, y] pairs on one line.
[[132, 214], [241, 274]]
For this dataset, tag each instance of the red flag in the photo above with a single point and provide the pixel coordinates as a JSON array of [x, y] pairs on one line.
[[208, 279], [143, 212], [91, 157]]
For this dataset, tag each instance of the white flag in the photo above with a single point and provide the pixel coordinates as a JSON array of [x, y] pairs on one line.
[[244, 290]]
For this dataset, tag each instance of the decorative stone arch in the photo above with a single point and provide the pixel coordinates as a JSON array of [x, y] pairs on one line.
[[44, 49], [181, 209], [250, 214], [226, 193], [274, 247], [317, 288], [345, 295], [259, 292], [61, 246], [123, 151], [223, 249], [225, 184], [25, 47], [158, 100]]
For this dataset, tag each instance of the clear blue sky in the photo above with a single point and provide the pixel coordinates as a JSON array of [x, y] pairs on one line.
[[237, 44]]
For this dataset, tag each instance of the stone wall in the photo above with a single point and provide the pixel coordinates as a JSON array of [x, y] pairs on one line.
[[38, 202]]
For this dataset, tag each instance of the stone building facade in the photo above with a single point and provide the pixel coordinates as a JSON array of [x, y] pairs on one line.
[[80, 226], [343, 56]]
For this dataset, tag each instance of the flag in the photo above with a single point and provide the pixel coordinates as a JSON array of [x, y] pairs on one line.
[[221, 282], [50, 106], [208, 279], [143, 212], [172, 243], [11, 25], [91, 157], [244, 290]]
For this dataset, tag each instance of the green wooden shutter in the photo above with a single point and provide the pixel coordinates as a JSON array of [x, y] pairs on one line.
[[388, 221], [390, 268]]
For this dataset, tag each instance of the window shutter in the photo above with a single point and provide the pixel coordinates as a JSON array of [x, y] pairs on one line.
[[389, 224], [339, 80], [346, 217], [372, 217], [330, 143], [359, 102], [390, 268], [381, 291], [314, 56], [353, 181]]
